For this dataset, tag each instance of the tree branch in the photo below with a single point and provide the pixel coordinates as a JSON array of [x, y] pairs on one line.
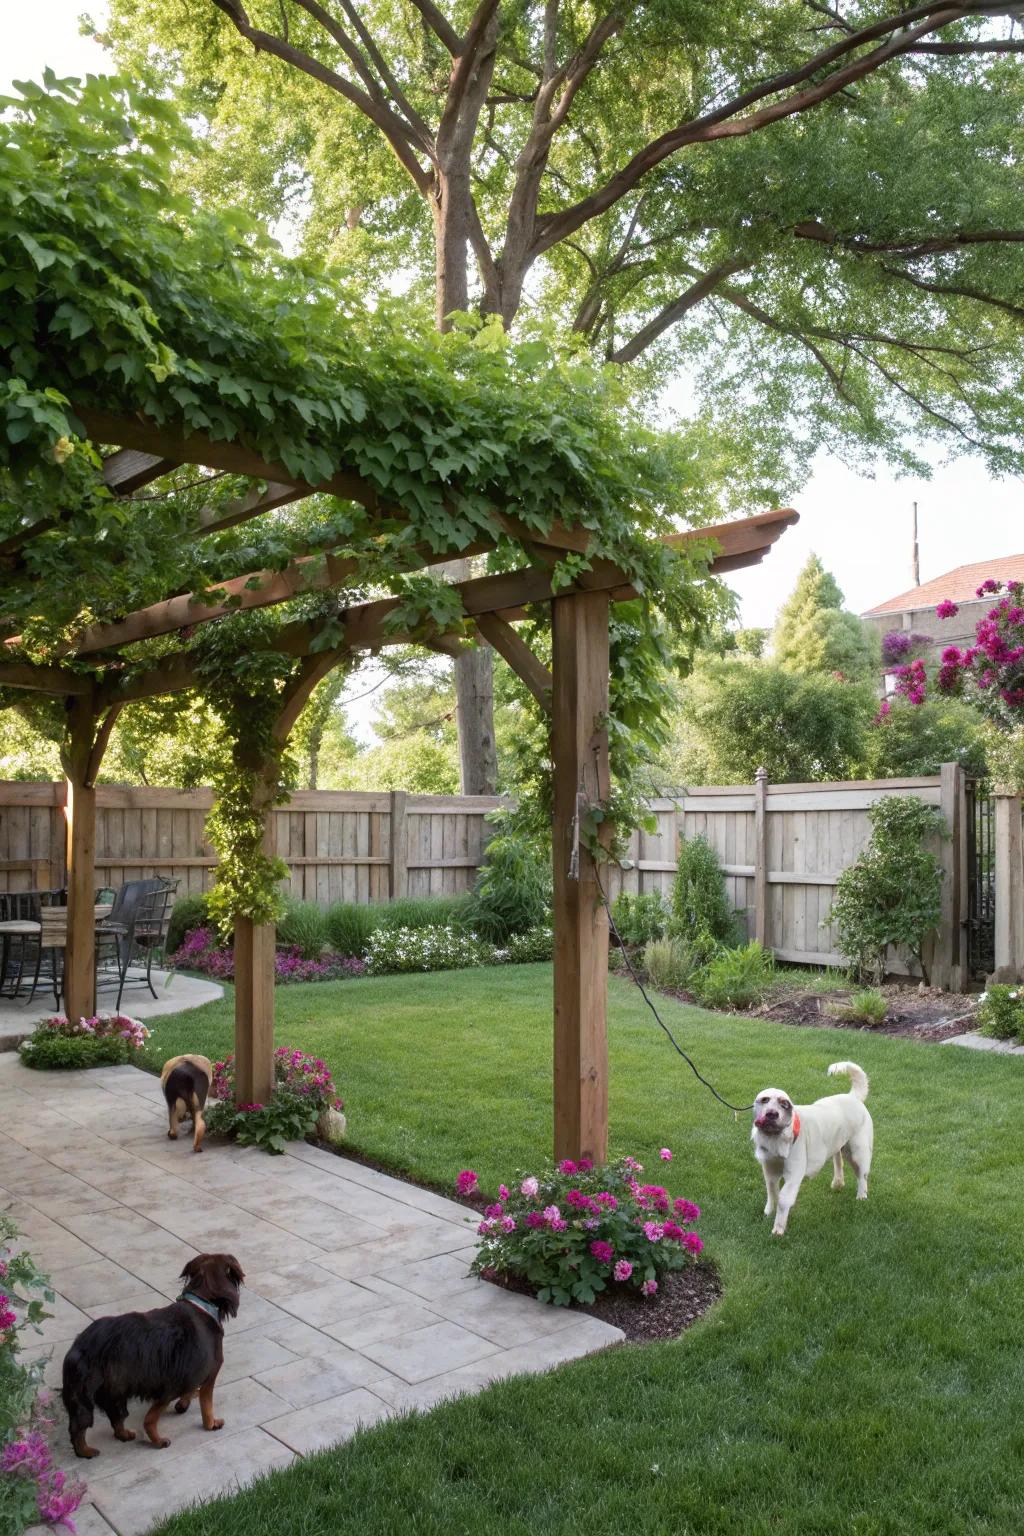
[[397, 133], [911, 247], [732, 119], [440, 26], [706, 284], [956, 290]]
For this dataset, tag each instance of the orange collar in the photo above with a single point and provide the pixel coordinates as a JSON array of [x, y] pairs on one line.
[[795, 1123]]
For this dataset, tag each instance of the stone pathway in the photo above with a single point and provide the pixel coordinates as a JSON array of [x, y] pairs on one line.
[[358, 1302], [175, 993], [976, 1042]]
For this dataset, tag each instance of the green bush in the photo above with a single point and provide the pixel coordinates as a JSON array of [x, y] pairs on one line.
[[512, 893], [529, 948], [1001, 1014], [892, 895], [639, 919], [868, 1007], [303, 925], [105, 1040], [735, 978], [187, 913], [349, 925], [425, 912], [668, 963], [699, 902]]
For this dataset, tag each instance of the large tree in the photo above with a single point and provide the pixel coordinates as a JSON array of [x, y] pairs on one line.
[[815, 206], [815, 633]]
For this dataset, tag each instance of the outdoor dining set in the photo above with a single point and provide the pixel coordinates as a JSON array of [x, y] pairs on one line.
[[131, 926]]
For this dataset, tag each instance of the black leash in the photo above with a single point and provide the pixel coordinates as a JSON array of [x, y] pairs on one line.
[[737, 1109]]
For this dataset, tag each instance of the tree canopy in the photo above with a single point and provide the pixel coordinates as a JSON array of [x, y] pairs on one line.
[[815, 633], [814, 208]]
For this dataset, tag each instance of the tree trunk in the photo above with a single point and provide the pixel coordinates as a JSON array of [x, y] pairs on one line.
[[474, 670]]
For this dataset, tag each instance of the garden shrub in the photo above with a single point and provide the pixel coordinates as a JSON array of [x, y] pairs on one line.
[[736, 978], [868, 1007], [302, 926], [1001, 1013], [104, 1040], [32, 1489], [188, 912], [393, 951], [303, 1093], [201, 951], [512, 893], [527, 948], [577, 1229], [641, 918], [349, 925], [425, 912], [668, 964], [892, 895], [699, 901]]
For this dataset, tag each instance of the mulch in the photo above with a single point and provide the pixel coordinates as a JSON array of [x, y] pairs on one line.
[[683, 1297], [913, 1014]]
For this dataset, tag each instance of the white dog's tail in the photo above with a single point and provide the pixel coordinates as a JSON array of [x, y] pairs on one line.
[[858, 1077]]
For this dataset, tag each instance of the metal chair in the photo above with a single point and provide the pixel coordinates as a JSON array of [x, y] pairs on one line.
[[135, 930]]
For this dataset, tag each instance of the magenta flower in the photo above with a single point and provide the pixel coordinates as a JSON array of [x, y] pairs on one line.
[[466, 1182], [946, 609], [534, 1219], [607, 1199], [584, 1164], [649, 1288], [503, 1193], [673, 1231], [692, 1242], [485, 1227], [602, 1251], [631, 1162], [653, 1231], [529, 1187], [687, 1210], [495, 1210], [988, 586], [567, 1166], [508, 1223], [559, 1224], [623, 1270], [8, 1317], [665, 1155], [552, 1213]]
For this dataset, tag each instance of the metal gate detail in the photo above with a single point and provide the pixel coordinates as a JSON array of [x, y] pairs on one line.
[[981, 880]]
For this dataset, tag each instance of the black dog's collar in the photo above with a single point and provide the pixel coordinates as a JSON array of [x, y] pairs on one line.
[[203, 1305]]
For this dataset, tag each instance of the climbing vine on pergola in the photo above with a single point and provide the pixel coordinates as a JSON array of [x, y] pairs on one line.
[[216, 473]]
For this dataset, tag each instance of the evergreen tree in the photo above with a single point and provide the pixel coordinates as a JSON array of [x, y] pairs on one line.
[[815, 633]]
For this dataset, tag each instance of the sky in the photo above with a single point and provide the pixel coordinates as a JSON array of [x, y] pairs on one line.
[[859, 527]]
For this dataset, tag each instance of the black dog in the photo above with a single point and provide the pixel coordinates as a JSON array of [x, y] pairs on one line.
[[172, 1352]]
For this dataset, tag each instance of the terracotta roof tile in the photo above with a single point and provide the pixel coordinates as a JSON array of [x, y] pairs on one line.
[[960, 585]]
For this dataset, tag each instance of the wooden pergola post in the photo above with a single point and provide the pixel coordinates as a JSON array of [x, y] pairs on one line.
[[81, 756], [579, 742], [255, 944]]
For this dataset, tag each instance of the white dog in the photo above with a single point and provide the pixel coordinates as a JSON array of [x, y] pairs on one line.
[[794, 1142]]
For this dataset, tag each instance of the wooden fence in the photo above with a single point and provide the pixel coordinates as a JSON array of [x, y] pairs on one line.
[[783, 848], [339, 845]]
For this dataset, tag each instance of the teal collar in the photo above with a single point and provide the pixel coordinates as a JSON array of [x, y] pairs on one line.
[[203, 1305]]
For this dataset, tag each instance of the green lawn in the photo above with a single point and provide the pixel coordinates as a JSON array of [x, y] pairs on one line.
[[865, 1374]]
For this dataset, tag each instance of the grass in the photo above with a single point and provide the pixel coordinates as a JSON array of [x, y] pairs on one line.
[[864, 1375]]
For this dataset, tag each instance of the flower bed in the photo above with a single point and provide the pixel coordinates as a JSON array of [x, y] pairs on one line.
[[305, 1102], [199, 951], [32, 1489], [105, 1039], [578, 1230]]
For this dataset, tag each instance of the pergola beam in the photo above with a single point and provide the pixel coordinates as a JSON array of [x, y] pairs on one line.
[[514, 649]]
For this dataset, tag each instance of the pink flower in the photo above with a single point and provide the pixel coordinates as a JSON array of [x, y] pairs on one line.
[[653, 1231], [552, 1213], [529, 1187], [466, 1182], [534, 1219], [602, 1251], [577, 1198], [665, 1155], [8, 1317], [567, 1166], [584, 1164], [606, 1199], [687, 1210], [485, 1227], [692, 1242], [623, 1270], [508, 1224], [946, 609], [673, 1231], [503, 1192], [649, 1288], [631, 1162], [495, 1210], [558, 1224]]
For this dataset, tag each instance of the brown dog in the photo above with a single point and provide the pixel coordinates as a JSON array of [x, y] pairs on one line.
[[186, 1082], [171, 1352]]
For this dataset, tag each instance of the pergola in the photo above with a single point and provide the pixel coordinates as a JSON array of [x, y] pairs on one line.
[[574, 695]]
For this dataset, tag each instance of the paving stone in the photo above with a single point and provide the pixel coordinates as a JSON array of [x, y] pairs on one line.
[[429, 1351], [330, 1303], [249, 1354], [137, 1500], [502, 1316], [329, 1423], [314, 1381], [371, 1327], [418, 1242], [441, 1276], [87, 1285], [983, 1043], [142, 1299], [88, 1522]]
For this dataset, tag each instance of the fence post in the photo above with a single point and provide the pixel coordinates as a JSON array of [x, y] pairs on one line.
[[761, 857], [1009, 894], [398, 869], [946, 963]]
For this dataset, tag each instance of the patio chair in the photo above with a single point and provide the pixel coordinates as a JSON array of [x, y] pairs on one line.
[[134, 933], [20, 913], [53, 938]]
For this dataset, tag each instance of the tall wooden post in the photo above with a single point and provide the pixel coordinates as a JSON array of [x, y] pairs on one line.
[[946, 971], [255, 944], [761, 857], [80, 953], [1009, 894], [579, 742]]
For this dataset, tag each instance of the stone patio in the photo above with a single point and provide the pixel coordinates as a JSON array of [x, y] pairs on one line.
[[358, 1302], [175, 993]]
